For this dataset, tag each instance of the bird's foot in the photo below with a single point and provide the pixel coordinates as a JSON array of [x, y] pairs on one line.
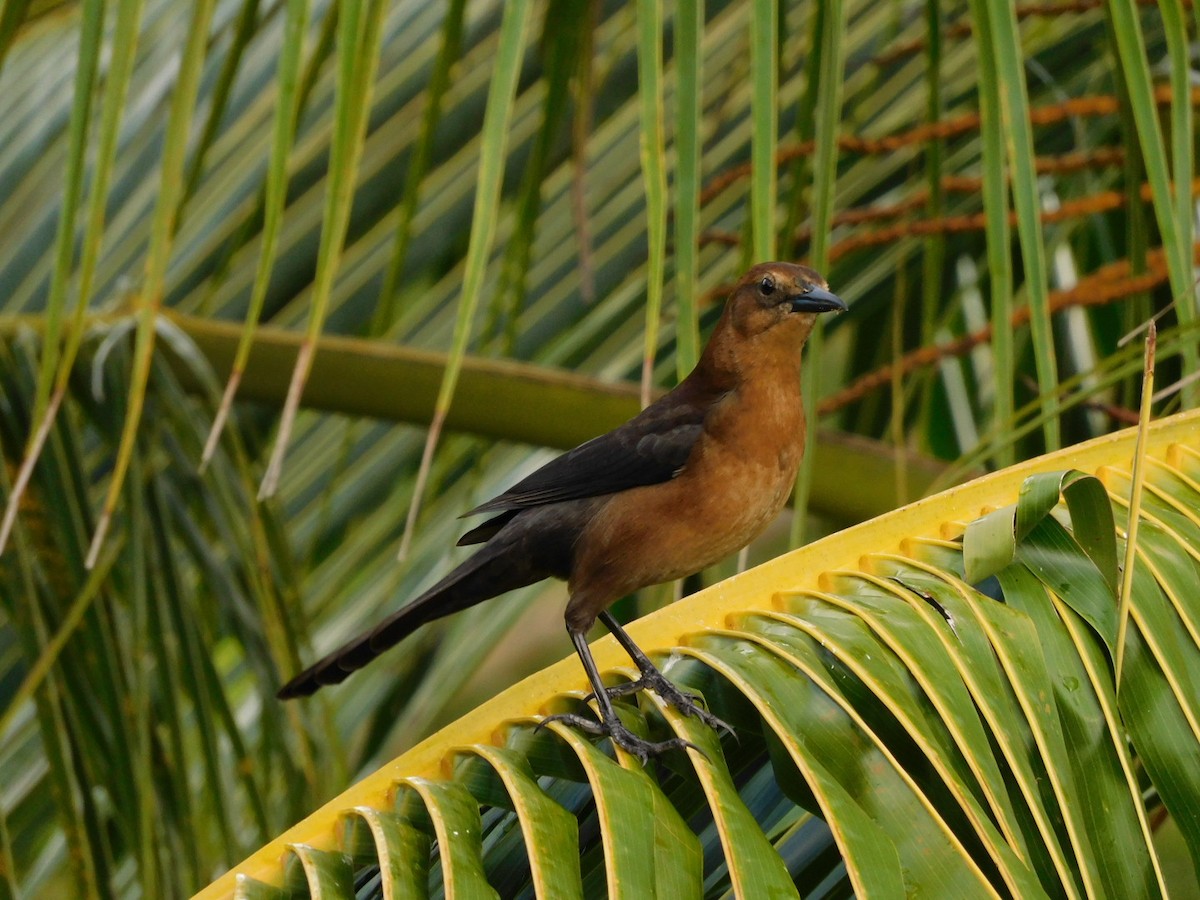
[[621, 736], [688, 704]]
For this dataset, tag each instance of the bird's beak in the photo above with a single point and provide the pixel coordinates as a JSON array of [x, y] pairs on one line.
[[817, 300]]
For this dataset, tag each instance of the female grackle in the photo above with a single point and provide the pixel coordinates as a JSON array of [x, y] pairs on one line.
[[691, 479]]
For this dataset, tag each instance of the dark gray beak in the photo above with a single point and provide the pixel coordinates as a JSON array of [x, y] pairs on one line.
[[817, 300]]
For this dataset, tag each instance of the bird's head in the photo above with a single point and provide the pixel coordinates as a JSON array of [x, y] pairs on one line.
[[774, 306]]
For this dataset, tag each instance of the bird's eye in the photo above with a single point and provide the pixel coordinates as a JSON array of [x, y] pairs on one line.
[[767, 286]]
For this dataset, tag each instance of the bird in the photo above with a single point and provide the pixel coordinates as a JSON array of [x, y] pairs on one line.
[[685, 483]]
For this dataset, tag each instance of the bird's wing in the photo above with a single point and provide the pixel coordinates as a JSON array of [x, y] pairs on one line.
[[649, 448]]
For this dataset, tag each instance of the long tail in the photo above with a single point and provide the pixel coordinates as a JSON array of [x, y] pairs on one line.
[[492, 571]]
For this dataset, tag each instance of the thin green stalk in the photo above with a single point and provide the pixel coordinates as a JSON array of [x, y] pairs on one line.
[[1131, 51], [654, 175], [287, 111], [1018, 135], [1138, 307], [141, 691], [91, 32], [806, 118], [828, 121], [359, 35], [191, 661], [162, 231], [1182, 167], [1135, 502], [439, 80], [764, 75], [218, 100], [934, 256], [252, 220], [998, 235], [831, 68], [501, 95], [581, 126], [561, 39], [934, 260], [124, 52], [689, 28], [896, 423]]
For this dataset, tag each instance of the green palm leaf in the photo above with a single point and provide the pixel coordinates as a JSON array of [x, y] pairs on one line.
[[945, 742]]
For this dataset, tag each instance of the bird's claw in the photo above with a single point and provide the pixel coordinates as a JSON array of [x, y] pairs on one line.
[[688, 704], [625, 688], [622, 736], [575, 721]]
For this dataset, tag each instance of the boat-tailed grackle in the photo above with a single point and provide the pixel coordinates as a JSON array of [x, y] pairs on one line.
[[688, 481]]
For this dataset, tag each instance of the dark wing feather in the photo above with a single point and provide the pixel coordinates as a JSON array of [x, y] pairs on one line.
[[650, 448], [485, 532]]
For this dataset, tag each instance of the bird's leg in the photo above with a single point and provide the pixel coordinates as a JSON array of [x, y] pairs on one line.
[[655, 680], [610, 724]]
